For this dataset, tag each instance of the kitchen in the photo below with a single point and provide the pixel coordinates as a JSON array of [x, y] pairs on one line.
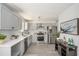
[[20, 33], [22, 25]]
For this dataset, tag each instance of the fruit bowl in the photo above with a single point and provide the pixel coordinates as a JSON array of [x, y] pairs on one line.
[[2, 38]]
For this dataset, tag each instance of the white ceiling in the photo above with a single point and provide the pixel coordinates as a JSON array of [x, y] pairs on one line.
[[32, 11]]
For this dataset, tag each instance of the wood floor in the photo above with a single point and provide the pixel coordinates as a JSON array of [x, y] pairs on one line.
[[41, 50]]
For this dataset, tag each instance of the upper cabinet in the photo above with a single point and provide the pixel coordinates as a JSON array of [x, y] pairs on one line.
[[8, 20]]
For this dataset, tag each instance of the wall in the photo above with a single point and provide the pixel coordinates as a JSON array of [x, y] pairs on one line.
[[68, 14], [45, 20]]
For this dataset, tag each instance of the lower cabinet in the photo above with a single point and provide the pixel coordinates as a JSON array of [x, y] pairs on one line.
[[29, 40], [15, 50], [22, 48], [10, 51]]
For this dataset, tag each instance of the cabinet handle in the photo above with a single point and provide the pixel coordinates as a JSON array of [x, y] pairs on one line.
[[13, 28]]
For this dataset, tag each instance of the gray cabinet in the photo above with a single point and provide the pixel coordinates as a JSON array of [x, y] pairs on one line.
[[22, 48], [8, 19], [15, 50]]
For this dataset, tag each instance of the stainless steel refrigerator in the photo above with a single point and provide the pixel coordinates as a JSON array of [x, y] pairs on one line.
[[50, 33]]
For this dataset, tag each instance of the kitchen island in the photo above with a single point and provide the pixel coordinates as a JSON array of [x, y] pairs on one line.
[[15, 47]]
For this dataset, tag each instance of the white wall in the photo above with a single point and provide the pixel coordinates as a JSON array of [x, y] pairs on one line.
[[69, 14], [45, 20]]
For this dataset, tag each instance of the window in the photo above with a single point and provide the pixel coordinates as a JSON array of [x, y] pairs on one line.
[[25, 25]]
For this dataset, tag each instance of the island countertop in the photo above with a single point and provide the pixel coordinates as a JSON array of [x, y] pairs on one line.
[[11, 42]]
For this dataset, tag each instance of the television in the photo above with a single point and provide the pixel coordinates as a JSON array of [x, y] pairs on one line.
[[70, 27]]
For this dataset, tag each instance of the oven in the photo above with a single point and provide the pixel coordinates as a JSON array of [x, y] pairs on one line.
[[40, 36]]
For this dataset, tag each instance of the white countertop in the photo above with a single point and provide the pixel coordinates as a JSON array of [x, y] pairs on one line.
[[10, 42]]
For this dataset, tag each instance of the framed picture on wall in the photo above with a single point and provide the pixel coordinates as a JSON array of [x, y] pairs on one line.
[[70, 27]]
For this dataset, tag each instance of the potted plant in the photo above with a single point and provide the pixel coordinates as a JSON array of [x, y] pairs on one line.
[[57, 34]]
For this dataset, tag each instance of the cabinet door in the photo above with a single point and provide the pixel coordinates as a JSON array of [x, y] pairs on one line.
[[5, 18], [15, 22], [9, 20], [15, 50], [0, 15], [19, 23], [22, 48]]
